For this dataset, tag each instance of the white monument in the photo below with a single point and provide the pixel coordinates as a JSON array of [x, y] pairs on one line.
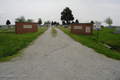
[[94, 27], [117, 30], [39, 26], [98, 26], [11, 27], [4, 27]]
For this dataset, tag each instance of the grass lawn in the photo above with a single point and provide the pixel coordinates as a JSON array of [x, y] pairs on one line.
[[53, 32], [11, 43], [6, 30], [106, 36]]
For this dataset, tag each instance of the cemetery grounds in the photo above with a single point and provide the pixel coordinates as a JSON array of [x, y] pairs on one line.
[[61, 58], [106, 36], [11, 43]]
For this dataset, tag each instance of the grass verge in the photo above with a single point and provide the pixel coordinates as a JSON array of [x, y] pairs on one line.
[[54, 32], [105, 36], [11, 44]]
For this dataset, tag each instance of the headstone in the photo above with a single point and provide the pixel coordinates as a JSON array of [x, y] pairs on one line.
[[0, 30], [39, 26], [110, 27], [60, 26], [10, 30], [45, 25], [65, 26], [117, 30], [11, 27], [4, 27], [94, 27]]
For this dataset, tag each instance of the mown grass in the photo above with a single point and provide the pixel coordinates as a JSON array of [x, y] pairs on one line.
[[11, 43], [6, 30], [105, 36], [54, 32]]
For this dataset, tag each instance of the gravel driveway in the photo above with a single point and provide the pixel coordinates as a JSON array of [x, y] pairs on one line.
[[59, 58]]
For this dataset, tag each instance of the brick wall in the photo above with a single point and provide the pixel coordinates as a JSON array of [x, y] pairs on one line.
[[82, 28], [25, 27]]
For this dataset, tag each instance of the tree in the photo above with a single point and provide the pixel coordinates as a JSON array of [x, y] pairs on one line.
[[45, 23], [55, 23], [66, 15], [48, 22], [76, 21], [73, 22], [21, 19], [52, 23], [58, 23], [8, 22], [30, 20], [92, 22], [39, 21], [63, 22], [108, 21]]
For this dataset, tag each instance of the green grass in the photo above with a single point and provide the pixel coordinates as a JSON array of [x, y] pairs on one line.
[[54, 32], [5, 31], [105, 36], [11, 43]]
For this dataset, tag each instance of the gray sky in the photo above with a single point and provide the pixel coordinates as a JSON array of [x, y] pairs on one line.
[[83, 10]]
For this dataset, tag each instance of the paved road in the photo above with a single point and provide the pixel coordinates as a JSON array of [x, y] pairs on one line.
[[59, 58]]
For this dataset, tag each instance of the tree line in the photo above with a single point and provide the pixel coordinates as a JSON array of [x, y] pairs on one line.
[[67, 17], [22, 19]]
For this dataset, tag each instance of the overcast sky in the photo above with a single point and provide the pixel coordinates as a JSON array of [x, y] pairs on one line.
[[83, 10]]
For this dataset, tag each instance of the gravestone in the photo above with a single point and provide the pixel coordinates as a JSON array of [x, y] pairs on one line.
[[39, 26], [10, 30], [117, 30], [0, 30], [11, 27], [110, 27], [4, 27], [65, 26], [45, 25], [94, 27]]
